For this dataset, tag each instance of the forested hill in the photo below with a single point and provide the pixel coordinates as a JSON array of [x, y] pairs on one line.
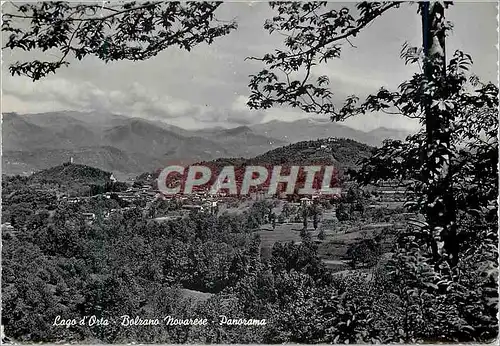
[[341, 152], [42, 187], [70, 173], [345, 153]]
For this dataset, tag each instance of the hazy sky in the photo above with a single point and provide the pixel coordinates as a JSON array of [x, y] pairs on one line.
[[208, 86]]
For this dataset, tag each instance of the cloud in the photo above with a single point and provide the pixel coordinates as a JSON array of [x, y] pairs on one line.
[[240, 114], [132, 100], [208, 85], [371, 121]]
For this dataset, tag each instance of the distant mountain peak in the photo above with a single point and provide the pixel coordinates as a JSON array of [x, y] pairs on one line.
[[318, 120], [237, 130], [313, 128]]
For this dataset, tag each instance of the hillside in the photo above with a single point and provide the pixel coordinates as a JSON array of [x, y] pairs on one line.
[[104, 157], [248, 142], [341, 152], [137, 136], [21, 134]]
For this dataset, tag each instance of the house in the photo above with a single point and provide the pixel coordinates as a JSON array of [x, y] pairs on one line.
[[89, 217], [72, 199], [167, 218], [7, 226], [305, 201], [192, 207]]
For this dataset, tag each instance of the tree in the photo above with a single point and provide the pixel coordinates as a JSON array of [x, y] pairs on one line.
[[321, 234], [305, 215], [341, 212], [365, 252], [440, 213], [108, 31], [315, 221], [313, 35], [315, 211]]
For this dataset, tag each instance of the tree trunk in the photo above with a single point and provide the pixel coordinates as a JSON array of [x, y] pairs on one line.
[[440, 204]]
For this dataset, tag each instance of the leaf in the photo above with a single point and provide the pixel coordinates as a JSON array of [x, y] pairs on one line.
[[431, 285]]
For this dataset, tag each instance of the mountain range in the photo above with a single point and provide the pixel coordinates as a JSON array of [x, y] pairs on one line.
[[126, 145], [311, 129]]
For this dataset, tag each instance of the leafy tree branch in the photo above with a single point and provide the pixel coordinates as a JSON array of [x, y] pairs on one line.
[[115, 31], [313, 34]]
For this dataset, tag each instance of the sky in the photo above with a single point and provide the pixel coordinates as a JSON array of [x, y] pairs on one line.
[[208, 86]]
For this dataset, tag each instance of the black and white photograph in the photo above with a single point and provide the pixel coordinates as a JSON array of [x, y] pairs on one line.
[[249, 172]]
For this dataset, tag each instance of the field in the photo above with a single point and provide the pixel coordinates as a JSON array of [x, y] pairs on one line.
[[339, 236]]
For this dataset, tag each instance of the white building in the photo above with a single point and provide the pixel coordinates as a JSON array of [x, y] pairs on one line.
[[305, 201]]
